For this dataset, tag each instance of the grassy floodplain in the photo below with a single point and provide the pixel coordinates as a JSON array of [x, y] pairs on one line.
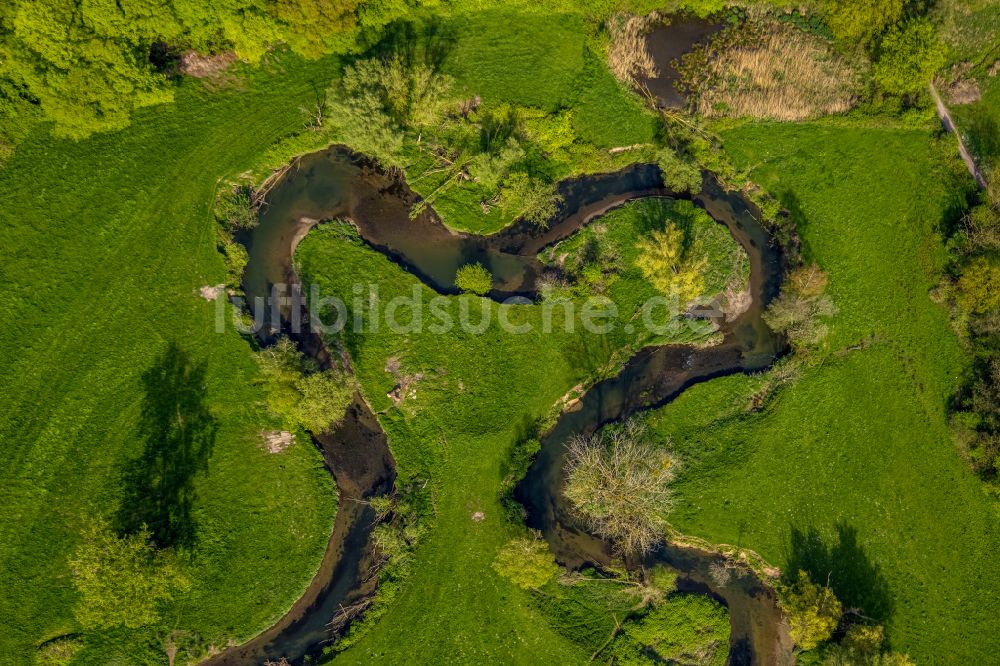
[[105, 242], [860, 442], [104, 249]]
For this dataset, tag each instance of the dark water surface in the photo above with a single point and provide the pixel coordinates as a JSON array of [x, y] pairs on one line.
[[667, 43]]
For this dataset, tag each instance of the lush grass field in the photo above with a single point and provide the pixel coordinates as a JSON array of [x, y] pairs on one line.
[[105, 243], [858, 449]]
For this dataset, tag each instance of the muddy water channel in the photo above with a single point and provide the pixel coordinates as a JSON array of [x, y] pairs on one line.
[[337, 184]]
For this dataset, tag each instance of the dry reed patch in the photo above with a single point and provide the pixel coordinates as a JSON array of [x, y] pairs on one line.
[[628, 57], [769, 72]]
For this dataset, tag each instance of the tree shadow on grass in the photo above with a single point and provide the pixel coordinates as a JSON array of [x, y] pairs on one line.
[[178, 434], [790, 201], [417, 41], [857, 581]]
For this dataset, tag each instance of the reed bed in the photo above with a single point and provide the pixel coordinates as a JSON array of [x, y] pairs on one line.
[[628, 57], [770, 72]]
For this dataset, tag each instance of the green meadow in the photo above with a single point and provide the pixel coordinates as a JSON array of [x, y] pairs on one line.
[[104, 250], [851, 470]]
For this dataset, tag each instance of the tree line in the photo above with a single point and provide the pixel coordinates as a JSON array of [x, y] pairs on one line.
[[87, 66]]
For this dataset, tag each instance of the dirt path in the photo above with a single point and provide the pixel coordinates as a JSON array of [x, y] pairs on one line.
[[950, 126]]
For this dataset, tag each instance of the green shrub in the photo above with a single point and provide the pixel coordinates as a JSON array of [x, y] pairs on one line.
[[800, 312], [299, 393], [662, 578], [529, 198], [474, 279], [686, 629], [864, 645], [377, 100], [122, 580], [514, 468], [489, 169], [908, 57], [236, 260], [678, 175], [979, 286], [236, 209], [861, 19], [526, 562]]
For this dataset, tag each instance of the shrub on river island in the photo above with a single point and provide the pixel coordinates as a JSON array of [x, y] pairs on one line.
[[474, 279], [298, 392], [526, 562], [122, 579], [620, 485], [673, 269]]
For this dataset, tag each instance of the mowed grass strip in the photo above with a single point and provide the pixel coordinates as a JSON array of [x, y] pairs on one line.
[[105, 243]]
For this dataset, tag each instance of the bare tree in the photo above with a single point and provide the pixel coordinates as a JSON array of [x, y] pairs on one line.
[[619, 484]]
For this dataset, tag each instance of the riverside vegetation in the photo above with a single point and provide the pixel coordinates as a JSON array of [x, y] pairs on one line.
[[840, 463]]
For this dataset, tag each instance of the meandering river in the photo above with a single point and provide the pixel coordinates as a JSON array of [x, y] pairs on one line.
[[338, 184]]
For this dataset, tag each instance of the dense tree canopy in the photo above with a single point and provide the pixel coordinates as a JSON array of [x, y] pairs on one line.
[[672, 268], [812, 611], [861, 19], [86, 65], [301, 394], [377, 100], [909, 55]]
